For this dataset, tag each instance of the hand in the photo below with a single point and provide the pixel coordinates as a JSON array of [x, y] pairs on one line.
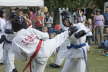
[[3, 38], [80, 34], [72, 30]]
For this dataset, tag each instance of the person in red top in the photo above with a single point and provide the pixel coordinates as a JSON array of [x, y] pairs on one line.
[[57, 27], [39, 22]]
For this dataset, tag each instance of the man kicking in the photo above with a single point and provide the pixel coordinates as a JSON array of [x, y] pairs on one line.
[[37, 46]]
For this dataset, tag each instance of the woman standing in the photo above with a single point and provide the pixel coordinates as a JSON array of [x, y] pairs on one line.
[[98, 26]]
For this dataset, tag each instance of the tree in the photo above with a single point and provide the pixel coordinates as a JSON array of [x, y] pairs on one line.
[[53, 4]]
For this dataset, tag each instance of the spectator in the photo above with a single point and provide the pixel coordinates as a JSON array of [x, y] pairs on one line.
[[12, 18], [106, 16], [39, 22], [19, 21], [58, 28], [27, 20], [105, 47], [89, 35], [106, 34], [81, 18], [52, 35], [44, 29], [48, 20], [39, 19], [98, 26], [32, 17]]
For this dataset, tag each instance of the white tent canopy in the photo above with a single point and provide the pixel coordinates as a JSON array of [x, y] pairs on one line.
[[21, 2]]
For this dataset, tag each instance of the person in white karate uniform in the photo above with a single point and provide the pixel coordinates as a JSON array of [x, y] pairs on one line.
[[2, 32], [65, 23], [77, 53], [9, 35], [27, 40], [62, 53]]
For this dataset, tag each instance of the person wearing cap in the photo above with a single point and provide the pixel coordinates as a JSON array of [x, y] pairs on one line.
[[98, 26]]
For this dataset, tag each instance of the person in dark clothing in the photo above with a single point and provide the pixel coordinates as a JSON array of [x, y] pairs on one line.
[[19, 22], [106, 16]]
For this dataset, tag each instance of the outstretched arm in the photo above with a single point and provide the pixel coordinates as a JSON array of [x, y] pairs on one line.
[[39, 34]]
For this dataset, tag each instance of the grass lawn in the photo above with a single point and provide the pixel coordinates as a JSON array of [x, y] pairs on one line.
[[97, 62]]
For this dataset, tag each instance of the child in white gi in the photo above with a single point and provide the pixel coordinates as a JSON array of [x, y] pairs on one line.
[[77, 57], [63, 48]]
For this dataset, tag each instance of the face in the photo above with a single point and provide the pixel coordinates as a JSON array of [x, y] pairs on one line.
[[106, 30], [52, 35], [30, 12], [20, 13], [92, 14], [4, 15], [97, 13], [66, 23], [26, 15], [47, 14], [45, 29], [106, 9]]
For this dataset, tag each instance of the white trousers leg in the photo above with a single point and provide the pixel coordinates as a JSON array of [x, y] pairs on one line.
[[5, 54], [1, 53], [9, 62], [60, 58], [9, 55], [62, 53], [37, 66], [9, 58], [74, 66]]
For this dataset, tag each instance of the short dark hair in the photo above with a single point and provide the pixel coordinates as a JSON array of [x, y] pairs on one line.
[[1, 13]]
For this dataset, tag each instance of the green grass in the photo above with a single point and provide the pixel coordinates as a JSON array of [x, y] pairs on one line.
[[97, 62]]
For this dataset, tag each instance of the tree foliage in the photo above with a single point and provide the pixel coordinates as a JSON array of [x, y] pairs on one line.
[[53, 4]]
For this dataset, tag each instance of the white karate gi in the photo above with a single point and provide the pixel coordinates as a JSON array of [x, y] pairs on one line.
[[8, 56], [2, 32], [62, 53], [76, 61], [47, 48], [6, 48]]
